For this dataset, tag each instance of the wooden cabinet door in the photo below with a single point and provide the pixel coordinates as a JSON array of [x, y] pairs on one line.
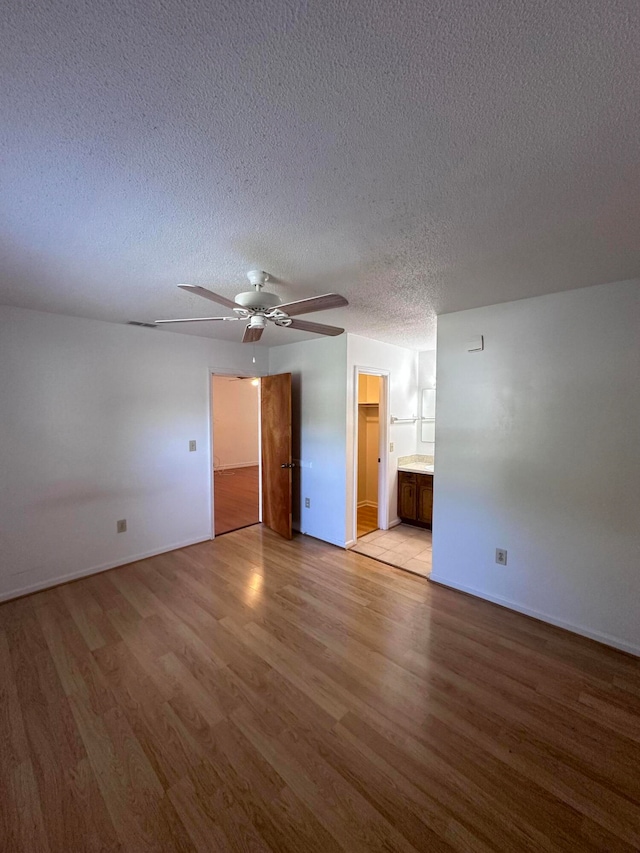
[[425, 498], [407, 496], [275, 406]]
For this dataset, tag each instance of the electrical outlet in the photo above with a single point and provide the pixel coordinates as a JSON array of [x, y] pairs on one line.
[[121, 526], [391, 446], [307, 503], [501, 557], [192, 446]]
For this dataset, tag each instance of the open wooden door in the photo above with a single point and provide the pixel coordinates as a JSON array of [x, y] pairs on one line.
[[275, 417]]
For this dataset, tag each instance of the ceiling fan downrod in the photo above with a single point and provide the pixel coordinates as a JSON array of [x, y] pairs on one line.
[[258, 299]]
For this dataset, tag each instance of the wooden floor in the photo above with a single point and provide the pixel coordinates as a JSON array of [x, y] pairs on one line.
[[256, 694], [367, 520], [236, 498]]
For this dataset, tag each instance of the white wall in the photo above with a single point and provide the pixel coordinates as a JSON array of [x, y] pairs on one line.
[[236, 441], [95, 424], [319, 416], [426, 379], [538, 452], [403, 366]]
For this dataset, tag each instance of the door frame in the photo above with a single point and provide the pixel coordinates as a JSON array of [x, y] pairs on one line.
[[240, 374], [383, 446]]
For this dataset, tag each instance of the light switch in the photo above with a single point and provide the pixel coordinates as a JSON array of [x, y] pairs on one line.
[[192, 446]]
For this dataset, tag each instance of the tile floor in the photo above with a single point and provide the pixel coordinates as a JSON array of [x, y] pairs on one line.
[[403, 546]]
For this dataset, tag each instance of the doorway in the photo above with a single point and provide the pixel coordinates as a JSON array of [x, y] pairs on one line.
[[368, 452], [251, 440], [371, 501], [236, 452]]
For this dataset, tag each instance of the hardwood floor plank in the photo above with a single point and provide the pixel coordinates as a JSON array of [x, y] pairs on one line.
[[88, 615], [225, 799], [297, 828], [290, 667], [58, 761], [76, 667], [90, 828], [25, 830], [392, 795], [442, 781], [203, 824], [151, 718], [254, 774], [190, 691], [131, 790], [342, 812], [14, 747]]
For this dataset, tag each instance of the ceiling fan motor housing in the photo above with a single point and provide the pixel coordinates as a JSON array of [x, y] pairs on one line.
[[258, 299]]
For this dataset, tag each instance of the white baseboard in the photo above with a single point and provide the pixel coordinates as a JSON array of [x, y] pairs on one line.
[[350, 543], [335, 542], [94, 570], [236, 465], [395, 522], [606, 639]]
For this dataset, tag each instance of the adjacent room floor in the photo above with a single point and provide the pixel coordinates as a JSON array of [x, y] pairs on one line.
[[367, 520], [404, 546], [236, 498], [252, 693]]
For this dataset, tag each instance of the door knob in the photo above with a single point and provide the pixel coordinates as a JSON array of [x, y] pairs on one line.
[[288, 465]]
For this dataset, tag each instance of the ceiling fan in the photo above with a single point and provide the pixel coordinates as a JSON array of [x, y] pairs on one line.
[[258, 306]]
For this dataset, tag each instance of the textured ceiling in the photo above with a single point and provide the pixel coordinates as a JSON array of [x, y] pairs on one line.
[[418, 157]]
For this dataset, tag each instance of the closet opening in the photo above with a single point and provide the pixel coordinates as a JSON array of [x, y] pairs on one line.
[[369, 454]]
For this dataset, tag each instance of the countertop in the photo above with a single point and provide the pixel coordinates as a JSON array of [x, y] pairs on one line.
[[416, 468]]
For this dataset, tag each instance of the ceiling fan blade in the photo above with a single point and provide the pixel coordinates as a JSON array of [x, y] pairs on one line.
[[314, 303], [252, 334], [195, 320], [318, 328], [209, 294]]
